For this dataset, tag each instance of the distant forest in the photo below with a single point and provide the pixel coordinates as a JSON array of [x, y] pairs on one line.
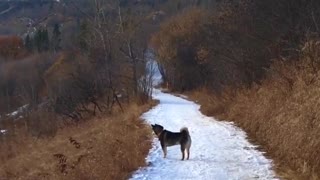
[[68, 54]]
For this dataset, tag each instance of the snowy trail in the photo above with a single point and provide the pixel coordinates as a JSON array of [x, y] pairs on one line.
[[219, 150]]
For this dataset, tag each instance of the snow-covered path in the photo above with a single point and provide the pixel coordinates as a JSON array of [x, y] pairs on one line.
[[219, 150]]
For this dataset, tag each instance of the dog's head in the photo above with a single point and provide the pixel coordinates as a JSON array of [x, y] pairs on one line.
[[157, 129]]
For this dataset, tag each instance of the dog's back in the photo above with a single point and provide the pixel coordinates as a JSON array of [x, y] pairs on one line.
[[174, 138], [170, 138]]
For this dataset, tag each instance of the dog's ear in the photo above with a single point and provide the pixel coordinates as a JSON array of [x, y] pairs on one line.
[[152, 125]]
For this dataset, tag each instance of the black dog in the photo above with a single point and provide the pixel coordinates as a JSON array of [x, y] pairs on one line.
[[168, 138]]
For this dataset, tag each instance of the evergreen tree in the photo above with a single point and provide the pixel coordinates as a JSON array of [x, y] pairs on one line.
[[46, 41], [37, 40], [28, 43], [41, 40], [51, 6], [56, 38], [83, 36]]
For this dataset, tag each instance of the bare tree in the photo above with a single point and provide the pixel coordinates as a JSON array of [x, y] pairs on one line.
[[133, 45]]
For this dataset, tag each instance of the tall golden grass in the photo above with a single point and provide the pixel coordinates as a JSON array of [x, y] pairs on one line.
[[281, 114], [106, 147]]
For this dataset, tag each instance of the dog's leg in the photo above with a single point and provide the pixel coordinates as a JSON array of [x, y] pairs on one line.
[[188, 151], [183, 152], [164, 149]]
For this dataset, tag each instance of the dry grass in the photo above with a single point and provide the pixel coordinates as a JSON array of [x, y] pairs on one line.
[[282, 115], [103, 148]]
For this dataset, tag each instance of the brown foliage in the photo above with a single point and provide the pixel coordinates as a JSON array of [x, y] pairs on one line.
[[21, 82], [202, 49], [11, 47], [235, 44], [73, 83], [178, 43]]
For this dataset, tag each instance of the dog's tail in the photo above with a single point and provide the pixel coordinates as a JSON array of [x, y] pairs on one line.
[[185, 131]]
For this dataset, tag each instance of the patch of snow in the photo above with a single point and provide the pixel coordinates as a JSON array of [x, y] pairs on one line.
[[219, 150], [3, 131], [14, 113], [183, 96], [153, 69], [18, 111], [156, 75]]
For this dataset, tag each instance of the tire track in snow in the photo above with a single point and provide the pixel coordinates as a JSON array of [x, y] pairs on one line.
[[219, 150]]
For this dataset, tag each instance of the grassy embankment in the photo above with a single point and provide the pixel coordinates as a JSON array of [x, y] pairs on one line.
[[104, 147]]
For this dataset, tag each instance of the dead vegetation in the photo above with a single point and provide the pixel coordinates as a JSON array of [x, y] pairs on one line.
[[281, 114], [107, 147]]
